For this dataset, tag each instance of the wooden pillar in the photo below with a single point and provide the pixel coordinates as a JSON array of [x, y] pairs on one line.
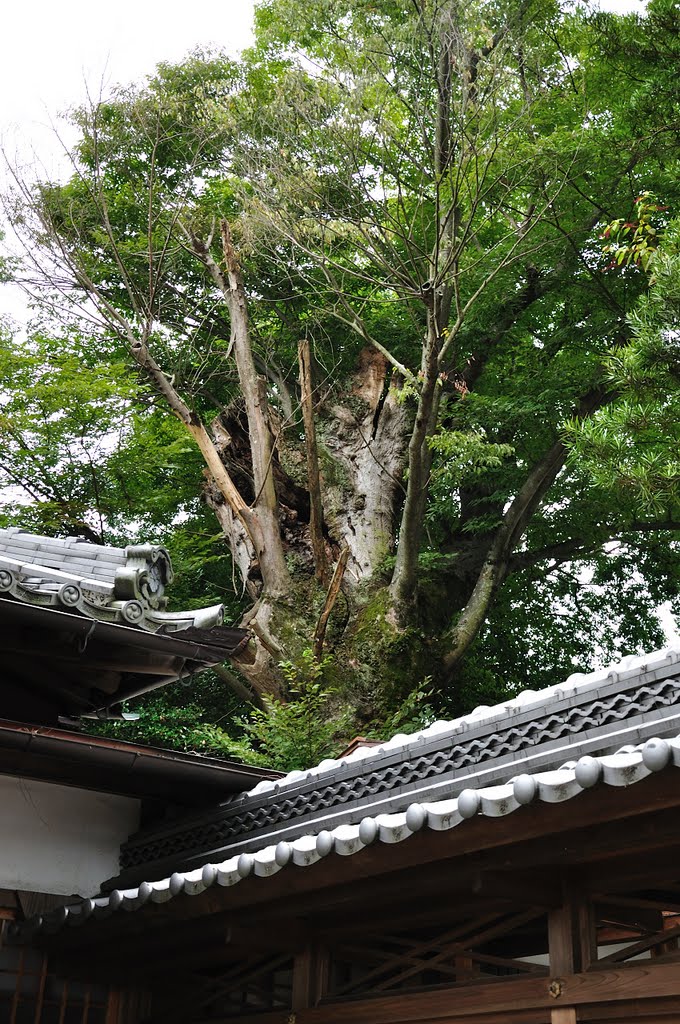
[[572, 943], [564, 1015], [466, 968], [586, 933], [310, 977]]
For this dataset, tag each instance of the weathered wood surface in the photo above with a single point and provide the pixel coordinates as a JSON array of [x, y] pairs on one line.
[[631, 984]]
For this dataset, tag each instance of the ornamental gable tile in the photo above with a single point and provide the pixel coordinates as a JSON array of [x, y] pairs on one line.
[[117, 585]]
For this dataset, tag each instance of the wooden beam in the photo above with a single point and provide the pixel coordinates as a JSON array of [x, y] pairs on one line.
[[649, 1011], [632, 984], [632, 870], [527, 1017]]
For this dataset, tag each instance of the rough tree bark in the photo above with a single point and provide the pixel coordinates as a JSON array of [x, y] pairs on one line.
[[363, 436], [264, 527], [313, 478]]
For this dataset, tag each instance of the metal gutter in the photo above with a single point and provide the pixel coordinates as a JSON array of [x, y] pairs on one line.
[[110, 765]]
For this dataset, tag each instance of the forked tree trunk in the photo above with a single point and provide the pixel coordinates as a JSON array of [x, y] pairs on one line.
[[362, 439]]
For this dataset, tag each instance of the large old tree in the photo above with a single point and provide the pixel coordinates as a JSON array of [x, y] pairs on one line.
[[363, 270]]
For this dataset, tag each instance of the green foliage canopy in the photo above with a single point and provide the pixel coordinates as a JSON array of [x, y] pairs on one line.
[[364, 217]]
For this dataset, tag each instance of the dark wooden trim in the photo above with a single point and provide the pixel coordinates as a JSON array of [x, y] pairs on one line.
[[630, 984]]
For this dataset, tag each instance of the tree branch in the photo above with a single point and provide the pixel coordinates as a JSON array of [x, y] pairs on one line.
[[266, 534], [515, 521], [331, 597], [313, 477], [237, 687], [566, 550]]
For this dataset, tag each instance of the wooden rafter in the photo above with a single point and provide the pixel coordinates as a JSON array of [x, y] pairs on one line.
[[658, 938], [438, 953], [239, 978]]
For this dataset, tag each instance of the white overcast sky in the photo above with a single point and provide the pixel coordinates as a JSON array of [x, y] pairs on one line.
[[54, 47], [56, 50]]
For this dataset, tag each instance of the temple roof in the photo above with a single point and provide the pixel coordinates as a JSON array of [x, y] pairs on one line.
[[84, 627], [122, 585], [109, 765], [624, 768], [598, 732], [588, 714]]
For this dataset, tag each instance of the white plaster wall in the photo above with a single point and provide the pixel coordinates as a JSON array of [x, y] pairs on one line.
[[59, 839]]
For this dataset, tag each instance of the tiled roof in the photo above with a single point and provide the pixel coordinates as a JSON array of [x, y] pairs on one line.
[[625, 767], [597, 713], [646, 668], [115, 585]]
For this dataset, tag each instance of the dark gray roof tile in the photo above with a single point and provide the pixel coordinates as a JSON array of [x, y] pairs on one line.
[[481, 749], [124, 585]]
